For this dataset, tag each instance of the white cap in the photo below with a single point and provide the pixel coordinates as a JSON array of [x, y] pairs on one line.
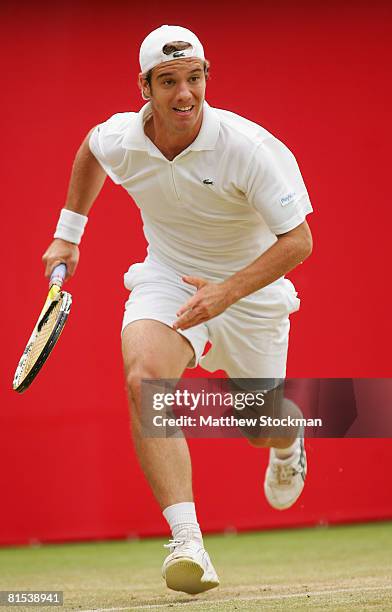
[[152, 48]]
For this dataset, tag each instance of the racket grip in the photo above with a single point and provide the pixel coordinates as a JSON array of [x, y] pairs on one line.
[[58, 275]]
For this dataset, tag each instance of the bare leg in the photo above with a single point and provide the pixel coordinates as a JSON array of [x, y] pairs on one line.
[[276, 406], [154, 350], [274, 438]]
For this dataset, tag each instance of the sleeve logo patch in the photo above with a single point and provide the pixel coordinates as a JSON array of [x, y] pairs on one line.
[[286, 199]]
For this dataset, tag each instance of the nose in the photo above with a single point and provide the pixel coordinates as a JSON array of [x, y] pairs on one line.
[[183, 93]]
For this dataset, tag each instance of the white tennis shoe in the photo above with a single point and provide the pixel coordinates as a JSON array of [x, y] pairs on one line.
[[188, 567], [285, 478]]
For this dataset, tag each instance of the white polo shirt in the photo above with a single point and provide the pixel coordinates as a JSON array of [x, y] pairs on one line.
[[219, 204]]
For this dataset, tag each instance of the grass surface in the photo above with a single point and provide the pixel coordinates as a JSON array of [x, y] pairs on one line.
[[334, 568]]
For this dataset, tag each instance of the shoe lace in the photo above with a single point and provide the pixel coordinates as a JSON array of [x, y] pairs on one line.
[[174, 543], [283, 474], [186, 546]]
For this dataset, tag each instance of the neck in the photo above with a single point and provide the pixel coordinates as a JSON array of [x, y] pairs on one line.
[[168, 142]]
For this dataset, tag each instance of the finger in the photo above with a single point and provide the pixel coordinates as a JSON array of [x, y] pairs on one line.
[[71, 267], [187, 307], [45, 262], [51, 266], [187, 317], [181, 320], [195, 281], [192, 322]]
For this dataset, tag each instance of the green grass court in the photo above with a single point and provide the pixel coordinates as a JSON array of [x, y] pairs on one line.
[[334, 568]]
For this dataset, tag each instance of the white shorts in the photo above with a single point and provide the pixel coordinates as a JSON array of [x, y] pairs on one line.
[[248, 340]]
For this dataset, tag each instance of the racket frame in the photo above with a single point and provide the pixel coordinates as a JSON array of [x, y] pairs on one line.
[[54, 296]]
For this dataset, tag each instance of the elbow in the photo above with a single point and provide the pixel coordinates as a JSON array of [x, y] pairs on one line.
[[305, 240], [300, 242], [303, 246], [308, 246]]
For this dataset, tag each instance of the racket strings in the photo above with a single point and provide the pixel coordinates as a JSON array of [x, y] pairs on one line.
[[42, 337]]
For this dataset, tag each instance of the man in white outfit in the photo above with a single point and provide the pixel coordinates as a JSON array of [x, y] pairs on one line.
[[224, 210]]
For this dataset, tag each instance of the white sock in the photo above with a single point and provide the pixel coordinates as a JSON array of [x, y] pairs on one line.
[[182, 521], [285, 453]]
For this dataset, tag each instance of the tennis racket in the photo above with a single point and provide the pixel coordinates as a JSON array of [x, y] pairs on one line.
[[46, 331]]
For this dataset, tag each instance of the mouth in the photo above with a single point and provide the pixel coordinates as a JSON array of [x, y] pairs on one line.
[[183, 110]]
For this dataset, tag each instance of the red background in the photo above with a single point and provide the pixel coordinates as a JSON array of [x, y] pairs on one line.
[[317, 75]]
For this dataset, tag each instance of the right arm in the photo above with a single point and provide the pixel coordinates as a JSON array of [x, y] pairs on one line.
[[87, 179]]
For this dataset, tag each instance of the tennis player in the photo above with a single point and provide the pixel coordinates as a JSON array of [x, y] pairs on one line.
[[224, 210]]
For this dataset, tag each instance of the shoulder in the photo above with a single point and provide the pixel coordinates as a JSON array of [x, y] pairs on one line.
[[250, 145], [238, 128], [116, 126], [107, 137], [264, 144]]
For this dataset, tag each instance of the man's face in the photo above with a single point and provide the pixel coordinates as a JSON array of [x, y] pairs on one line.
[[177, 94]]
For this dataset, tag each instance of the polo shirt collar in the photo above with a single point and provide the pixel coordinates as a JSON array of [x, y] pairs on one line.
[[209, 131], [136, 140]]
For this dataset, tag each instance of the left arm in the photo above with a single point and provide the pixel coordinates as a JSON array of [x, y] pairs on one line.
[[211, 299]]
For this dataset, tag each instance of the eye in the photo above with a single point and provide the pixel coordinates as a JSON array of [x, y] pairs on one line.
[[168, 82], [194, 79]]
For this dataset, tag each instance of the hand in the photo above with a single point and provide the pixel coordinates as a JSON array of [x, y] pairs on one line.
[[61, 251], [210, 300]]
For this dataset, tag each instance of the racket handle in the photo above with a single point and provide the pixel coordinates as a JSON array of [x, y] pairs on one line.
[[58, 275]]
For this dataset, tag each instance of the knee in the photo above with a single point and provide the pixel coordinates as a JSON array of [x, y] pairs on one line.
[[137, 390], [259, 442], [134, 386]]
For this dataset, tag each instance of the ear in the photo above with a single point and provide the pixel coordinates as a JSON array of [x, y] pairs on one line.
[[144, 87]]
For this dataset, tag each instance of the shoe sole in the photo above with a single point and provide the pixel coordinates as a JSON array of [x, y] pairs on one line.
[[281, 507], [185, 575]]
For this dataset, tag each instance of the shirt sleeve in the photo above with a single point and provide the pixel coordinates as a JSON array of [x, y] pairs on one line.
[[105, 144], [275, 187]]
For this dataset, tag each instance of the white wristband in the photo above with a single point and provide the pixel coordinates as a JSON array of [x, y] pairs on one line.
[[70, 226]]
